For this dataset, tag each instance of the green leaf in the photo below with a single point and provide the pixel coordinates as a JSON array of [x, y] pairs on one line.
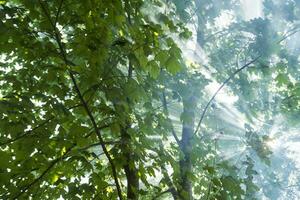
[[54, 178], [115, 128], [141, 57], [282, 79], [173, 65], [162, 57], [154, 69]]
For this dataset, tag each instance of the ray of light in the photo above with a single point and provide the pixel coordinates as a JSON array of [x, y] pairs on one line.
[[232, 154], [229, 137]]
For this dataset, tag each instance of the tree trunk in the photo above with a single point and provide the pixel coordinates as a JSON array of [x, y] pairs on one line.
[[185, 162], [130, 167]]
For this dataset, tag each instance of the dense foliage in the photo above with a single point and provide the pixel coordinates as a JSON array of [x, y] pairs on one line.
[[112, 99]]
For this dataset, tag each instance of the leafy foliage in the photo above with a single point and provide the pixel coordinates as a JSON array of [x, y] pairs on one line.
[[101, 100]]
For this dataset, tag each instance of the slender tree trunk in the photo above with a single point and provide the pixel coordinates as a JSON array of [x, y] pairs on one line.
[[185, 162], [129, 167]]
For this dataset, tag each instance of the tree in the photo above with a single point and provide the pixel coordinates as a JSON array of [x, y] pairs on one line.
[[102, 51], [99, 99]]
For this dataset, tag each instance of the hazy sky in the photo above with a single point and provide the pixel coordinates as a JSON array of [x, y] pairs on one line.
[[252, 8]]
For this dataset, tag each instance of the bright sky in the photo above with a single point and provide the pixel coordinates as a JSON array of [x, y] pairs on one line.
[[252, 9]]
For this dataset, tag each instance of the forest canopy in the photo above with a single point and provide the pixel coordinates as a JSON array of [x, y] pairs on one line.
[[156, 99]]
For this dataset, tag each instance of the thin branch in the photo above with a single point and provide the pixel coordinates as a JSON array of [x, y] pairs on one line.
[[98, 144], [58, 12], [220, 88], [27, 132], [216, 33], [90, 115], [97, 85], [33, 129], [99, 128], [289, 34], [35, 181], [90, 161], [288, 97], [162, 193], [290, 186], [165, 106]]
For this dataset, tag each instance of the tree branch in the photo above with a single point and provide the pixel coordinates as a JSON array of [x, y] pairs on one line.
[[58, 12], [98, 144], [162, 193], [220, 88], [26, 133], [33, 129], [165, 106], [90, 115], [99, 128], [288, 34], [52, 164]]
